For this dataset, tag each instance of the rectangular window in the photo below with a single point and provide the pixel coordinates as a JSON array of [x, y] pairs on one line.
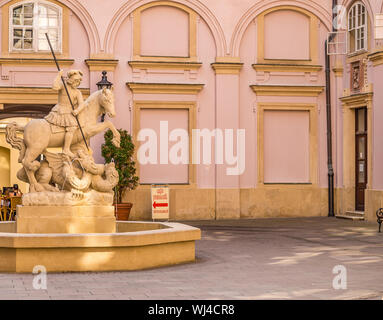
[[286, 146], [163, 121]]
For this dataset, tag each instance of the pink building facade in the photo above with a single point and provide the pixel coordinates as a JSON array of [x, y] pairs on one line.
[[249, 75]]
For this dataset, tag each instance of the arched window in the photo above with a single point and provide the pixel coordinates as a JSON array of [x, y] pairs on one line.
[[29, 21], [283, 27], [357, 28]]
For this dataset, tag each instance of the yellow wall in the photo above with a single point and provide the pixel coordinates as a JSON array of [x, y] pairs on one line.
[[10, 168], [4, 166], [265, 201], [13, 165]]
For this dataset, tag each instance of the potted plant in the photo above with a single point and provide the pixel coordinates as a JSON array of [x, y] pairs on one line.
[[123, 160]]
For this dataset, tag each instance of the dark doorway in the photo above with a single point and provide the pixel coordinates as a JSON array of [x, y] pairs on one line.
[[360, 157], [24, 111]]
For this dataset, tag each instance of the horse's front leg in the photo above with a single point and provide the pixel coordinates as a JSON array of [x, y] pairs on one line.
[[102, 126]]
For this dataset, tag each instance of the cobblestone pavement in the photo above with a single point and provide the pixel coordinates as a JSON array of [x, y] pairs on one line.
[[244, 259]]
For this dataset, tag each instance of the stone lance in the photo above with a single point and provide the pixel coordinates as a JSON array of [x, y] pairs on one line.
[[66, 89]]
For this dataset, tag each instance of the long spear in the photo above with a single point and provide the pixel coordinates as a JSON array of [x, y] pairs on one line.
[[66, 89]]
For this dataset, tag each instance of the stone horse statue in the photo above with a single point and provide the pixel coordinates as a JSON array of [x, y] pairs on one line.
[[39, 135]]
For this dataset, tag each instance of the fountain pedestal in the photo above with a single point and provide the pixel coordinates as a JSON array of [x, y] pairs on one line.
[[65, 219], [38, 238]]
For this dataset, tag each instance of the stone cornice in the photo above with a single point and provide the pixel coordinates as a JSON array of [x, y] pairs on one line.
[[34, 62], [287, 90], [173, 65], [286, 67], [101, 64], [357, 100], [165, 88], [227, 67], [32, 95], [376, 58]]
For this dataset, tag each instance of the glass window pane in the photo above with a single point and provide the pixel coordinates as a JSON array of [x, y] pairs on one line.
[[17, 43], [42, 32], [361, 120], [43, 45], [48, 22], [352, 19], [42, 10], [53, 22], [52, 12], [28, 21], [17, 11], [361, 172], [43, 22], [352, 41], [362, 148], [28, 9], [53, 34], [27, 43], [28, 33], [55, 45], [18, 32], [16, 20]]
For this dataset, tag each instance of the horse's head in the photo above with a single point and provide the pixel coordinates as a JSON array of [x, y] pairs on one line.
[[107, 102]]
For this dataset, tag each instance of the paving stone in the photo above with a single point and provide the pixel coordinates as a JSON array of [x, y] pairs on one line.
[[241, 259]]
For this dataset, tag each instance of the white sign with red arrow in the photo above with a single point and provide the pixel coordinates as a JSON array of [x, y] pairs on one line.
[[160, 202]]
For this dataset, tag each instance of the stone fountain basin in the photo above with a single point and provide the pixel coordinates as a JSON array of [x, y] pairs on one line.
[[134, 246]]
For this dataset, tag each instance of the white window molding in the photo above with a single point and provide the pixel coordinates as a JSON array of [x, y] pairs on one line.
[[357, 27], [28, 23], [379, 26]]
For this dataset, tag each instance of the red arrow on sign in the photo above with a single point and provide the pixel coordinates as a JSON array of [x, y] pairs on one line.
[[155, 205]]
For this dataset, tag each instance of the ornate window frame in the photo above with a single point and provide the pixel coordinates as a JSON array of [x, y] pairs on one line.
[[35, 27], [7, 50], [314, 36], [312, 108], [360, 27], [191, 107], [137, 34]]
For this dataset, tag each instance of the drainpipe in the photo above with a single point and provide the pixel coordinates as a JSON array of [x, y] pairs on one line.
[[329, 139], [329, 127]]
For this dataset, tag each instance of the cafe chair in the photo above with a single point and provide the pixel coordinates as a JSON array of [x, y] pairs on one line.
[[3, 209], [14, 202]]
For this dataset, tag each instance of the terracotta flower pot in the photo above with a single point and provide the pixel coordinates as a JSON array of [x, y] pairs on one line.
[[122, 211]]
